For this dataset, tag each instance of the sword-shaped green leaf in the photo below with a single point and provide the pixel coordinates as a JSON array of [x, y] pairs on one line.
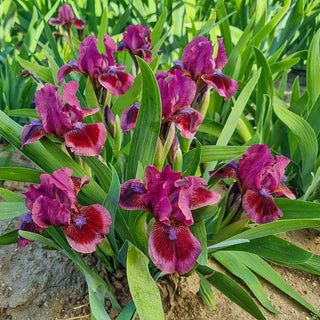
[[146, 132], [144, 290]]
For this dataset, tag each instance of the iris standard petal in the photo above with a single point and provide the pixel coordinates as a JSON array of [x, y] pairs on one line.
[[221, 58], [59, 186], [111, 47], [65, 13], [197, 57], [184, 90], [252, 165], [90, 61], [47, 212], [49, 106], [136, 39]]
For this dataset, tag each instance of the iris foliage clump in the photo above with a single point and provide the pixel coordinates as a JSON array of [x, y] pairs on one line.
[[135, 111]]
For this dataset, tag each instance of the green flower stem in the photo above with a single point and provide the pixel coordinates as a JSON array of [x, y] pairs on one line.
[[177, 165], [203, 108], [118, 134], [158, 158], [170, 134], [185, 144], [245, 129]]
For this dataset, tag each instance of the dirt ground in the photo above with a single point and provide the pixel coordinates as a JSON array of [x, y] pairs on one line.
[[37, 284]]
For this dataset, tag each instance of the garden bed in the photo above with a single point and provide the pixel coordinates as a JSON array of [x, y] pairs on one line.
[[39, 284]]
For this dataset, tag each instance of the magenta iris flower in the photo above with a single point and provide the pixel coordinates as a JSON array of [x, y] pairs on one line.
[[129, 118], [27, 224], [64, 121], [55, 202], [137, 40], [66, 18], [197, 61], [102, 69], [177, 93], [259, 177], [172, 247]]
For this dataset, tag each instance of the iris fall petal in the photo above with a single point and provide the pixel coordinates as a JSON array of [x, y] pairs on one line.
[[260, 208], [87, 228], [86, 139], [174, 248]]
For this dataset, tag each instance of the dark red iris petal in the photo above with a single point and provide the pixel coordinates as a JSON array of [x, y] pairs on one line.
[[227, 171], [78, 23], [66, 69], [87, 228], [27, 224], [225, 86], [32, 132], [56, 22], [131, 195], [117, 83], [174, 248], [86, 139], [259, 208], [187, 121], [129, 118]]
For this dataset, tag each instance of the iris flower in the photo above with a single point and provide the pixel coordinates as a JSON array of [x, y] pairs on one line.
[[259, 177], [64, 121], [177, 93], [129, 118], [197, 61], [55, 202], [66, 18], [137, 40], [102, 69], [170, 199]]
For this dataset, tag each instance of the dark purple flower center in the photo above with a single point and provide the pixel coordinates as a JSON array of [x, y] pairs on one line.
[[218, 72], [265, 193], [173, 198], [112, 69], [36, 122], [137, 188], [73, 63], [179, 63], [80, 221], [172, 233], [28, 218], [233, 164], [78, 125]]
